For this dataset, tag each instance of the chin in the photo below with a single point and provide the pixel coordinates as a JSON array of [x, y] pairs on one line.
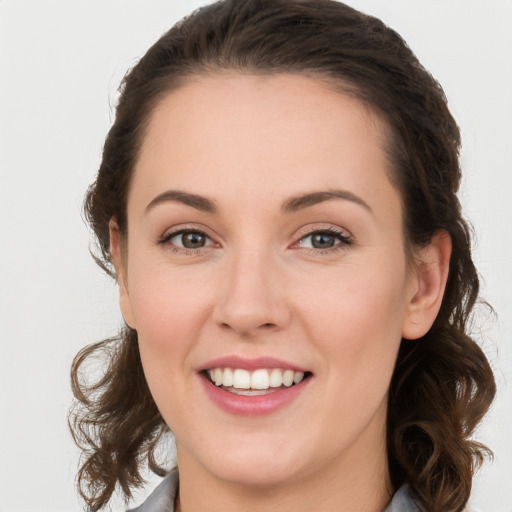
[[258, 475], [256, 465]]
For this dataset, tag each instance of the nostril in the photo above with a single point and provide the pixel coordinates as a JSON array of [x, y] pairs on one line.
[[268, 326]]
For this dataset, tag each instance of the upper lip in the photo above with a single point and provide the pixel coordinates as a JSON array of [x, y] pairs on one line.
[[249, 364]]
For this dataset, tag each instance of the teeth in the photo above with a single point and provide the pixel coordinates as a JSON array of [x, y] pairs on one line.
[[228, 377], [276, 378], [261, 379], [288, 378], [241, 379], [219, 376], [297, 377]]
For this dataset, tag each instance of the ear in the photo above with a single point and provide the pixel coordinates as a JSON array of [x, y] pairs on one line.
[[429, 282], [118, 255]]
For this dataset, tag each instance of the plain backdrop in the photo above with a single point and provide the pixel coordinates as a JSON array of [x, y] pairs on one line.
[[60, 65]]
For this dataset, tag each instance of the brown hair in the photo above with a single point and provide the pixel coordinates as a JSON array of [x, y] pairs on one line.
[[442, 384]]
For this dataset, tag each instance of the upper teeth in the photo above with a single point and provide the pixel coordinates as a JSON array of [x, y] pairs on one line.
[[258, 379]]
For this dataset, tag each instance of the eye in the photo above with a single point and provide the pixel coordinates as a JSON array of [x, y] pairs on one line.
[[187, 239], [324, 240]]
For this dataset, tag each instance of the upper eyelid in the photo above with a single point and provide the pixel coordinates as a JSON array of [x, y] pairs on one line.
[[180, 228], [322, 227]]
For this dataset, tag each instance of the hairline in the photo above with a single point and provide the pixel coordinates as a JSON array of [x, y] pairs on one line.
[[388, 139]]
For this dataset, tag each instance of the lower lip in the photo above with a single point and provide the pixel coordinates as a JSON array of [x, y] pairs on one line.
[[253, 405]]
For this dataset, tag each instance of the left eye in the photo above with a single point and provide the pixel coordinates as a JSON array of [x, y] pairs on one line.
[[190, 240], [322, 240]]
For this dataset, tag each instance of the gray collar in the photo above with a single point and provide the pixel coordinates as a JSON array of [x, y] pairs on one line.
[[403, 501], [162, 499]]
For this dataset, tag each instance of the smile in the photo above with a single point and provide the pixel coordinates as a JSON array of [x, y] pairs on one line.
[[254, 383], [253, 388]]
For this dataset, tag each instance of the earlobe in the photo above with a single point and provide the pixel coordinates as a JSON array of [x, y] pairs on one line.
[[430, 277], [119, 262]]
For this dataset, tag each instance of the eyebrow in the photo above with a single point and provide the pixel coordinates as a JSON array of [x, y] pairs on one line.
[[194, 200], [291, 205], [306, 200]]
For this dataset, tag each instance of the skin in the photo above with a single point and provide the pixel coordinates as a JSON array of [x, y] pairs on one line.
[[259, 288]]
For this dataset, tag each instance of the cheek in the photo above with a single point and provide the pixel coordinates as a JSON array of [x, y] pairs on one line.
[[355, 316], [168, 323], [169, 309]]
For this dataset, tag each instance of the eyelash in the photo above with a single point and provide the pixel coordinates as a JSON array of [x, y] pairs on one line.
[[344, 241]]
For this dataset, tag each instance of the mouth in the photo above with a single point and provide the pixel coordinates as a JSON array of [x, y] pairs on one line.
[[261, 381]]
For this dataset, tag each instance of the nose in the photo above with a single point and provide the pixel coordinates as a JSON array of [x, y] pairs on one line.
[[252, 299]]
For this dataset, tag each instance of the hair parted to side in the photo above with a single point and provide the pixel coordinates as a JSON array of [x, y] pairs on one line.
[[442, 384]]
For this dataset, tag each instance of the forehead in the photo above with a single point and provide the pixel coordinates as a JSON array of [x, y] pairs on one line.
[[247, 134]]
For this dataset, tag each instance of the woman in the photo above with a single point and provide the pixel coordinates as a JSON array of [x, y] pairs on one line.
[[277, 201]]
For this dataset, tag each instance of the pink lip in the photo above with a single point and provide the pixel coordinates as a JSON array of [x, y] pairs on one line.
[[250, 364], [252, 405]]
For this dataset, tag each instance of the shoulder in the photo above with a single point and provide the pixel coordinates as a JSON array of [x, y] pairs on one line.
[[163, 497]]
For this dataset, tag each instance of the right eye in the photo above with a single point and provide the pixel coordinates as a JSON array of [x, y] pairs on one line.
[[187, 239]]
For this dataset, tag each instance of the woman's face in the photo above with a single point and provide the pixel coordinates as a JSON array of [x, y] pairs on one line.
[[265, 241]]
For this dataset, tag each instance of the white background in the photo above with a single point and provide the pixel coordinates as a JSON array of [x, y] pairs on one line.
[[60, 65]]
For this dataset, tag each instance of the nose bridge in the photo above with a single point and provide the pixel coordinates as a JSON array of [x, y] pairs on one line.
[[251, 297]]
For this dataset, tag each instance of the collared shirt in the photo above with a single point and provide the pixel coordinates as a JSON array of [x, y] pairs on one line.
[[162, 499]]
